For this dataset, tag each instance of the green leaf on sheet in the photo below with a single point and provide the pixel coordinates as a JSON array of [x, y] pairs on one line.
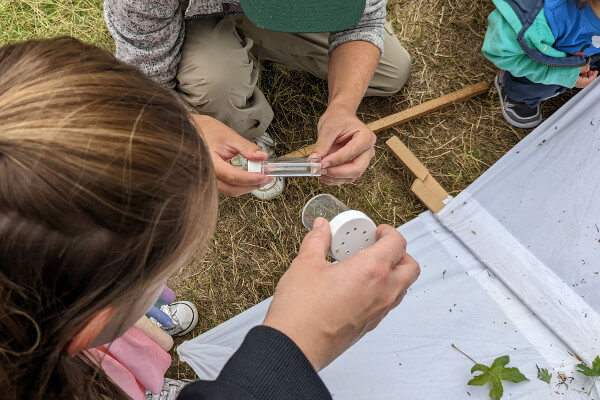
[[544, 375], [495, 374], [587, 371], [594, 371]]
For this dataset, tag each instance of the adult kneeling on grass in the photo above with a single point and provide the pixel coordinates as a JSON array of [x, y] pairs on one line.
[[207, 51]]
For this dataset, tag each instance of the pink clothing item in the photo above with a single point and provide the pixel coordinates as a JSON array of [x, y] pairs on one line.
[[118, 373], [134, 362]]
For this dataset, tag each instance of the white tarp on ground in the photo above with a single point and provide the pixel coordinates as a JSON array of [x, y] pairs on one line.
[[530, 219], [534, 219]]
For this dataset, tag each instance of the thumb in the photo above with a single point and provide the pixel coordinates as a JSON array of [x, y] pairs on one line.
[[247, 149], [317, 242]]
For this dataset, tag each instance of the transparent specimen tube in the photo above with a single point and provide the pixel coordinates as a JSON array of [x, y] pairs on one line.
[[287, 166], [322, 205]]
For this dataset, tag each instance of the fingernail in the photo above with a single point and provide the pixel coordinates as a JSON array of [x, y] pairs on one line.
[[326, 164], [268, 179], [323, 172], [313, 155], [318, 222], [259, 153]]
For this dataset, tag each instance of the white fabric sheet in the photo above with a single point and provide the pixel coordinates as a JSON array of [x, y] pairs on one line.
[[534, 219], [409, 356]]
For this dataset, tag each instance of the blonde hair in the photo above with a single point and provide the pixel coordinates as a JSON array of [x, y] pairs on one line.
[[104, 184]]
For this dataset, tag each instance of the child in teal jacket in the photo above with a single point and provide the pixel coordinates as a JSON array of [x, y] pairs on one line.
[[542, 47]]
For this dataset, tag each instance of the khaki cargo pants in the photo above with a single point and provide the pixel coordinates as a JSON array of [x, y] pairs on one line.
[[218, 72]]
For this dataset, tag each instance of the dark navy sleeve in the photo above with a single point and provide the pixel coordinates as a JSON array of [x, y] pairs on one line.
[[267, 366]]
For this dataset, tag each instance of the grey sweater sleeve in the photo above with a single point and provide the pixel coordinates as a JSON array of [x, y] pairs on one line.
[[148, 35], [369, 28]]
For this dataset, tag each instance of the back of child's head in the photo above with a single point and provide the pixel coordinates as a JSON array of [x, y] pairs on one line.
[[105, 186]]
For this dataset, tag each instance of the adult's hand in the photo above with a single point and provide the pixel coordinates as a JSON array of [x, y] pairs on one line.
[[345, 145], [325, 308], [224, 144]]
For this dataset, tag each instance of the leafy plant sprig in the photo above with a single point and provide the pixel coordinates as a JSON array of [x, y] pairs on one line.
[[544, 375], [494, 374], [594, 371]]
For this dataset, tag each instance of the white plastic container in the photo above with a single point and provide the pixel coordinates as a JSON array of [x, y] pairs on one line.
[[351, 230]]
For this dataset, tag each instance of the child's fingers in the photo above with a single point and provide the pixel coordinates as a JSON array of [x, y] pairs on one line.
[[229, 174], [236, 190]]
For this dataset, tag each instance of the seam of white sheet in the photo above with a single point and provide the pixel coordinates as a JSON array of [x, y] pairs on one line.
[[566, 314], [544, 340]]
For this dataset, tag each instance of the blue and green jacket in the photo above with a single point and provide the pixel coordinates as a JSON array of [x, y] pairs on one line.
[[519, 40]]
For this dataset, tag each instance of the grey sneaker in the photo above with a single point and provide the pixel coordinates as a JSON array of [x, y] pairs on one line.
[[184, 316], [170, 390], [270, 190], [519, 115]]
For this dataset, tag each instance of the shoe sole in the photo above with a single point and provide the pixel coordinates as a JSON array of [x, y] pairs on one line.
[[527, 125]]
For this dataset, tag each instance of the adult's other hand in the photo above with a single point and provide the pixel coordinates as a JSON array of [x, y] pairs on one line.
[[345, 145], [224, 144], [325, 308]]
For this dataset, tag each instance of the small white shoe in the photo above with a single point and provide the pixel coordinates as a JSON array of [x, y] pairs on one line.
[[270, 190], [184, 316]]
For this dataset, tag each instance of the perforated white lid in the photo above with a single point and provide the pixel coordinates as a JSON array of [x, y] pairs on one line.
[[351, 232]]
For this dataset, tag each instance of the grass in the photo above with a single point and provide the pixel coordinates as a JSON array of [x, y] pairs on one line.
[[35, 19], [256, 241]]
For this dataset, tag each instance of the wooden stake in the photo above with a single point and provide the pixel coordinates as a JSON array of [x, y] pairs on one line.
[[407, 158], [425, 187], [411, 113], [427, 197]]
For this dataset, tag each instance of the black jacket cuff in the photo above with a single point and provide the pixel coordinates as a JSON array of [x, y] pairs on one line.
[[267, 366]]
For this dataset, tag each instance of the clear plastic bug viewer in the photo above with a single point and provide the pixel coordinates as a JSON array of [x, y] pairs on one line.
[[287, 166], [351, 230]]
